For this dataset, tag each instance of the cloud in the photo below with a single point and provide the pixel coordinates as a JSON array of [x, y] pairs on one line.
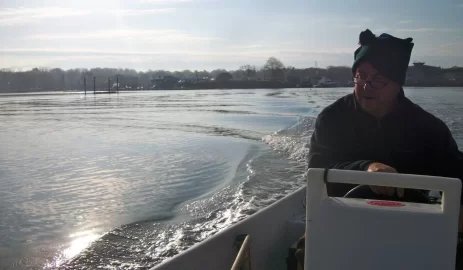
[[165, 1], [231, 52], [406, 21], [442, 50], [11, 16], [152, 36], [247, 47], [134, 12], [58, 57], [449, 49], [460, 5], [167, 58], [352, 26], [382, 30], [333, 51], [17, 16], [41, 12], [429, 30]]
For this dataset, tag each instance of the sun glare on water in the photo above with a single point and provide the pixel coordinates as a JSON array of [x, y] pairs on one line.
[[79, 242]]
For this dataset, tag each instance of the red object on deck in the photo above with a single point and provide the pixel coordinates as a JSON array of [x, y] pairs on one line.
[[386, 203]]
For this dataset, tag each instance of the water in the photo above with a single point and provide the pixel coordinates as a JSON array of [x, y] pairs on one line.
[[127, 180]]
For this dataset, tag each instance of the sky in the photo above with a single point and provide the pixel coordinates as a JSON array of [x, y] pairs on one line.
[[211, 34]]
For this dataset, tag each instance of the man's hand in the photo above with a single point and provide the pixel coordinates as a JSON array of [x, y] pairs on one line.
[[388, 191]]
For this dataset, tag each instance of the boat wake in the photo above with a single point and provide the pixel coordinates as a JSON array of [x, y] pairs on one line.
[[264, 176]]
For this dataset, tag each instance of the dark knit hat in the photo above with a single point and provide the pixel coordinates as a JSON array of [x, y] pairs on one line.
[[387, 54]]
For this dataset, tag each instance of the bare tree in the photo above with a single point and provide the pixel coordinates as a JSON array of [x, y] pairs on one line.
[[248, 71], [274, 67]]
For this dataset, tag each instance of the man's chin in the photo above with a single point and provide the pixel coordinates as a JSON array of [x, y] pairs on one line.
[[368, 106]]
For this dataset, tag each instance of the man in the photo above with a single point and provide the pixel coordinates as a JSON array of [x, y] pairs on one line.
[[377, 129]]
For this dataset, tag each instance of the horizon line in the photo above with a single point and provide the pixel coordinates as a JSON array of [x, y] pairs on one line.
[[41, 68]]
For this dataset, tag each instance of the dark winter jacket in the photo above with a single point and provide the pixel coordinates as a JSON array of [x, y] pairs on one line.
[[408, 139]]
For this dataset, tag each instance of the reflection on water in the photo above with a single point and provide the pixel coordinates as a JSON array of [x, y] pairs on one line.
[[78, 242], [135, 178]]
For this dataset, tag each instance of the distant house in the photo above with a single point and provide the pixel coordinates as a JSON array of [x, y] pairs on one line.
[[170, 79], [166, 82], [422, 74], [187, 80], [203, 79], [325, 82], [454, 76]]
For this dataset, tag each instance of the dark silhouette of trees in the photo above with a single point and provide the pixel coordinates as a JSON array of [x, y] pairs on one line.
[[339, 74], [215, 72], [274, 67], [248, 71], [223, 77], [44, 79]]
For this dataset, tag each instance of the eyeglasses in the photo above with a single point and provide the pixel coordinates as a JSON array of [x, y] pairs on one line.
[[374, 84]]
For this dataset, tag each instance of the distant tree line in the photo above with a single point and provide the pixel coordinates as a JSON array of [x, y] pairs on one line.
[[45, 79]]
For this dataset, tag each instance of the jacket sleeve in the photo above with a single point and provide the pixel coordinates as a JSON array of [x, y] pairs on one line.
[[448, 162], [327, 149]]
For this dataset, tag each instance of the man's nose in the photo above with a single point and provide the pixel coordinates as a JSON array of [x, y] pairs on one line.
[[368, 86]]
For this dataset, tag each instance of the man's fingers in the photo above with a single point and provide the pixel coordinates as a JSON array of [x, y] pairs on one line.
[[400, 192], [375, 189], [390, 191], [379, 190], [383, 190], [380, 167]]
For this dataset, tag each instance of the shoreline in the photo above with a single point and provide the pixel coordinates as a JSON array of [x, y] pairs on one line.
[[81, 91]]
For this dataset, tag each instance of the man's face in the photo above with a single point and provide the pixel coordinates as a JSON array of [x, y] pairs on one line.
[[379, 94]]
